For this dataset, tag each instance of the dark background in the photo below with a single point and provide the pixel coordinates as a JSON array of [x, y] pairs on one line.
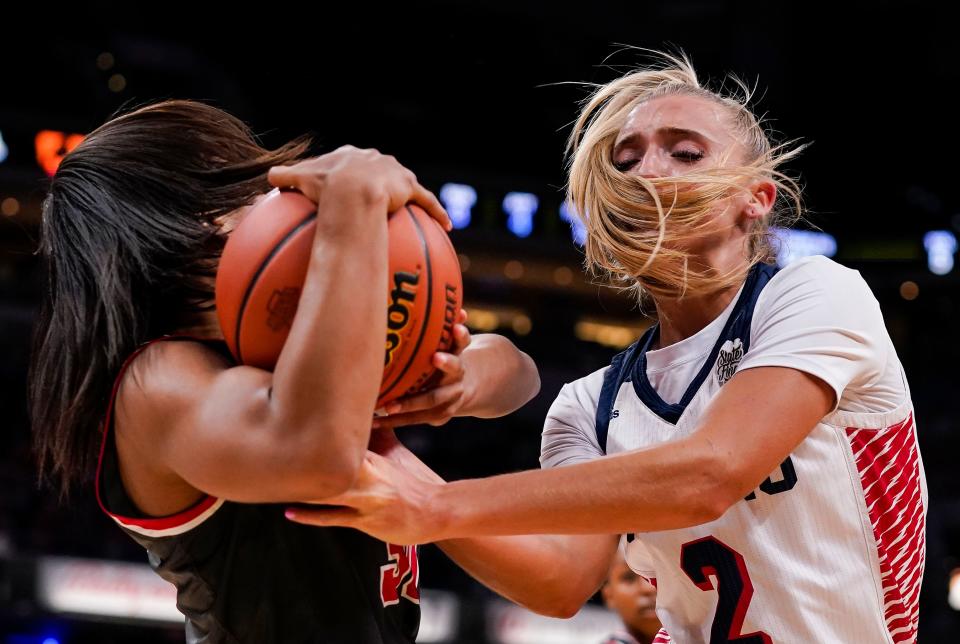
[[483, 94]]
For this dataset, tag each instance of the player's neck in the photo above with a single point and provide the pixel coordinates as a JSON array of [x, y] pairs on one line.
[[683, 317]]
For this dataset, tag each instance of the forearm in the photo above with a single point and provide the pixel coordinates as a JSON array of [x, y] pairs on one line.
[[675, 485], [505, 377], [681, 483], [327, 378], [671, 485], [551, 575]]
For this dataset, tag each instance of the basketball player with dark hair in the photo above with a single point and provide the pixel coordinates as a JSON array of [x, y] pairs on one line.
[[194, 455]]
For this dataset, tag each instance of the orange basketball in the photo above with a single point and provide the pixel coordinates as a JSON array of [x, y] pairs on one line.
[[264, 264]]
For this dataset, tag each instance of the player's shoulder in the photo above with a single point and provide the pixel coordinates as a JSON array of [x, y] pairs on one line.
[[173, 360], [593, 381], [818, 278], [823, 270], [584, 391], [168, 373]]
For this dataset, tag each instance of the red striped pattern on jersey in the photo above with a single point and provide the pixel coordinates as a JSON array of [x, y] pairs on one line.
[[662, 637], [889, 466]]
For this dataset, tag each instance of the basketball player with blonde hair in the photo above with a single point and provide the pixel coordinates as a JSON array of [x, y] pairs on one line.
[[755, 448]]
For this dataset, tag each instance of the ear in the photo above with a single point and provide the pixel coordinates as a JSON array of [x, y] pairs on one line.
[[763, 195]]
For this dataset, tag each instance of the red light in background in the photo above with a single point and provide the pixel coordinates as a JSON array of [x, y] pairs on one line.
[[51, 146]]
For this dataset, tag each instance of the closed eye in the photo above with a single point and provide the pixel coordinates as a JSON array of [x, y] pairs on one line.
[[688, 156]]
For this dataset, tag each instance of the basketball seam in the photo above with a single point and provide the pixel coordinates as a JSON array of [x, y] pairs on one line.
[[256, 276], [426, 313]]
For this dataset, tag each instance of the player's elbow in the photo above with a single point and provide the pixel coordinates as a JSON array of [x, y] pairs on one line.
[[563, 611], [712, 506], [574, 599], [314, 479], [716, 491], [321, 469], [561, 594], [561, 606]]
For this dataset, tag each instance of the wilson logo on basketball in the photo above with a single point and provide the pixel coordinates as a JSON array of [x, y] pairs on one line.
[[282, 306], [450, 306], [398, 313]]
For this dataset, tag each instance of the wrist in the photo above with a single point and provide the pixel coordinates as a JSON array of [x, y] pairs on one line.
[[441, 512], [345, 210], [470, 398]]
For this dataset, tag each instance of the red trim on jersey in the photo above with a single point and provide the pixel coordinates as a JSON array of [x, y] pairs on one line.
[[662, 637], [150, 523], [172, 521], [889, 465]]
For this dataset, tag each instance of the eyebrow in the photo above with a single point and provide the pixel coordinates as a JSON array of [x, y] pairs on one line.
[[672, 132]]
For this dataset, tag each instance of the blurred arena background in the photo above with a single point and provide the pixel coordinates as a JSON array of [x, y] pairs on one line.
[[474, 97]]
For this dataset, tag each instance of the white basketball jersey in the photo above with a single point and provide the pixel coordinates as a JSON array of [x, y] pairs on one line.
[[828, 549]]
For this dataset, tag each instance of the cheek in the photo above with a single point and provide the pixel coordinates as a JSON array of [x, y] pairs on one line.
[[722, 217]]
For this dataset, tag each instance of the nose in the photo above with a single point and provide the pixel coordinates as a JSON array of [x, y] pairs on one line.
[[652, 166]]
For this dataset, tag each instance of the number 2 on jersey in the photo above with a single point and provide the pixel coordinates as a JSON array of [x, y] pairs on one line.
[[710, 556]]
